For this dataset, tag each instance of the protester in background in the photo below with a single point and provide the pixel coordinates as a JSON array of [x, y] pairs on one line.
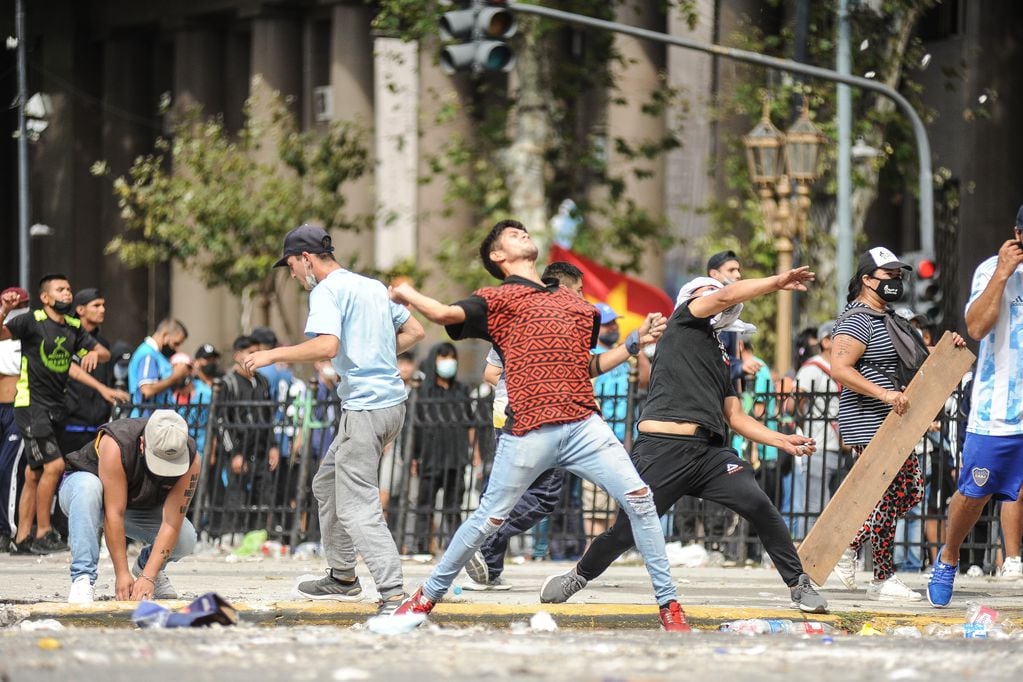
[[724, 266], [444, 446], [247, 436], [11, 476], [151, 378], [819, 408], [39, 406], [865, 362], [353, 324], [87, 409], [135, 482], [992, 466]]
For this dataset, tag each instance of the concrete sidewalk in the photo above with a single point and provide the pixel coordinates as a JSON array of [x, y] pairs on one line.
[[263, 591]]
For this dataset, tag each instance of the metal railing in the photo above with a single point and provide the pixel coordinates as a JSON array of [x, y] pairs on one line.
[[432, 475]]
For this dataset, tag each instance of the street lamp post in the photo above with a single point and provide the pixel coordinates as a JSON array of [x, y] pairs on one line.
[[777, 161]]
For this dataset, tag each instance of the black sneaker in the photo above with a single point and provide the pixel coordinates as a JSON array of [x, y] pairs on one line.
[[805, 597], [48, 544], [23, 548], [558, 588], [329, 587], [5, 544]]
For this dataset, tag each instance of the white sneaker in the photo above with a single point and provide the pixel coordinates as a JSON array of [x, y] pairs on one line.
[[1012, 568], [845, 569], [82, 591], [892, 589]]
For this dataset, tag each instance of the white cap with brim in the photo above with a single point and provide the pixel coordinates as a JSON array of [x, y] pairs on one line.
[[166, 443]]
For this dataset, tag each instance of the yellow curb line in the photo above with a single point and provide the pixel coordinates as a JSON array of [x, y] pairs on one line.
[[584, 616]]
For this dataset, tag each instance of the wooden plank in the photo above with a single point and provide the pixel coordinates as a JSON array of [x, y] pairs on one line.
[[881, 460]]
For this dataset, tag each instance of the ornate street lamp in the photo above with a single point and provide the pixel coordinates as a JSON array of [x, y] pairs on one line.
[[776, 160], [765, 149]]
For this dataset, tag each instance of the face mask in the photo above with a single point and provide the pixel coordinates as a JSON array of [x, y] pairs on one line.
[[890, 290], [212, 370], [310, 279], [726, 318], [611, 338], [167, 351], [61, 307], [446, 367]]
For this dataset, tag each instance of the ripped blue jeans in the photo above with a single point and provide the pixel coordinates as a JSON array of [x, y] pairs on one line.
[[587, 448]]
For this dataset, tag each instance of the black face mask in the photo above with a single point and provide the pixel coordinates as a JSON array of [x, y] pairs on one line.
[[167, 351], [212, 370], [611, 338], [890, 290], [61, 307]]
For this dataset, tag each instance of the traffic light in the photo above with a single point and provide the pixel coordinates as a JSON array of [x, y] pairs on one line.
[[481, 27], [926, 299]]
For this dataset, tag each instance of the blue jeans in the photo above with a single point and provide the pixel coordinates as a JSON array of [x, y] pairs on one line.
[[587, 448], [81, 498]]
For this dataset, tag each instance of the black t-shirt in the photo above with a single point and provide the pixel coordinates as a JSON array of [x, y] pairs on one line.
[[84, 405], [46, 351], [690, 377]]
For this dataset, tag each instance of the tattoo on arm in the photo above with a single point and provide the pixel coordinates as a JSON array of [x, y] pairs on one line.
[[164, 558], [190, 491]]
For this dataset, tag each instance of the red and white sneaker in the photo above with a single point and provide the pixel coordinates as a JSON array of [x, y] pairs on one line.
[[673, 618], [417, 603]]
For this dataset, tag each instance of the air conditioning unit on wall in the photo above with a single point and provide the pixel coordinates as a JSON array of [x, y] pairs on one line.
[[323, 104]]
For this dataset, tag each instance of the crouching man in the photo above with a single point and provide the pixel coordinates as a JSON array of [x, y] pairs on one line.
[[134, 481]]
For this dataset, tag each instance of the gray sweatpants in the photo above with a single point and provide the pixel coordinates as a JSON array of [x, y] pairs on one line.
[[347, 490]]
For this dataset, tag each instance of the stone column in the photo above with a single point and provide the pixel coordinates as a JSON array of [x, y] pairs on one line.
[[637, 82], [351, 80], [211, 315]]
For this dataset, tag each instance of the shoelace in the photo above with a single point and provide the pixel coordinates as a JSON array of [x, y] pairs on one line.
[[573, 583]]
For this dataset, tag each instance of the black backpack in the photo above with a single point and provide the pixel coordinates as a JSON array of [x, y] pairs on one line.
[[908, 345]]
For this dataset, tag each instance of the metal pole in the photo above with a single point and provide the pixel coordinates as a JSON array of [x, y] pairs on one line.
[[844, 255], [19, 21], [923, 146]]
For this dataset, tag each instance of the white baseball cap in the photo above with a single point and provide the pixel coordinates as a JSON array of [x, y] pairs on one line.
[[166, 443]]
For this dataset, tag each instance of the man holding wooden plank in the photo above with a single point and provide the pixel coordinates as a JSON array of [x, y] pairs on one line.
[[993, 453]]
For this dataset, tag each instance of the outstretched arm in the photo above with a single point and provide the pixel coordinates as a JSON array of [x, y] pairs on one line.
[[746, 289], [651, 329], [750, 428], [432, 309]]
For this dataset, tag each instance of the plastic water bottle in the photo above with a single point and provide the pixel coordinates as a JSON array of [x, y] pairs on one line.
[[980, 614], [906, 631], [810, 627], [973, 631], [757, 626]]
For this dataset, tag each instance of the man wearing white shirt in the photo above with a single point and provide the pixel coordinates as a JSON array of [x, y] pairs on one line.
[[993, 452]]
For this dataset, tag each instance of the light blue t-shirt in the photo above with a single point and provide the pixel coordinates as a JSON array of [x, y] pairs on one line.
[[358, 311], [148, 366], [611, 390], [997, 408]]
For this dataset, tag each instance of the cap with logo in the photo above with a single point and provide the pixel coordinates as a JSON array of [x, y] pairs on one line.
[[305, 239], [207, 350], [607, 313], [166, 443], [878, 258]]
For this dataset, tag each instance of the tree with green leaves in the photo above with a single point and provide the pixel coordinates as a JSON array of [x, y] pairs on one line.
[[219, 204]]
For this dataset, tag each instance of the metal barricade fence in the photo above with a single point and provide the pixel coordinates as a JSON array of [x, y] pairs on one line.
[[433, 474]]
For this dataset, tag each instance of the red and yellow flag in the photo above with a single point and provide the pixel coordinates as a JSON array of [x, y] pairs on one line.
[[631, 298]]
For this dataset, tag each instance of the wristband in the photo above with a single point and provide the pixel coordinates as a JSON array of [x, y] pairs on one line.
[[632, 342], [143, 575]]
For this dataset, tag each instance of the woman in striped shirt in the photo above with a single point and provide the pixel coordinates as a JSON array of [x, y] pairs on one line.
[[863, 358]]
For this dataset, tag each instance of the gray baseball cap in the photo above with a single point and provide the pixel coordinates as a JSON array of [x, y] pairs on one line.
[[166, 443]]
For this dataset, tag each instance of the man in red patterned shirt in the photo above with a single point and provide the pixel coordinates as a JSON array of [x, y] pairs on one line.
[[544, 334]]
